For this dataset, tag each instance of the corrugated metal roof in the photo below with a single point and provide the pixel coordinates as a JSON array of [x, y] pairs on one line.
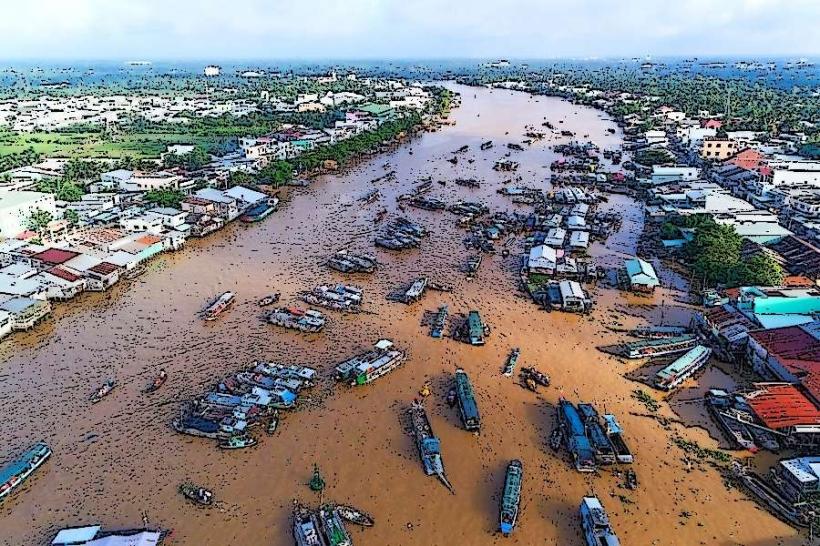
[[782, 405]]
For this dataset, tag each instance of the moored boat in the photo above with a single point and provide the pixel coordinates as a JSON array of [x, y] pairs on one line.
[[683, 368], [512, 360], [511, 497], [197, 495], [270, 299], [238, 442], [295, 318], [333, 527], [158, 382], [595, 523], [366, 367], [306, 528], [467, 406], [219, 305], [353, 515], [439, 323], [14, 474], [103, 391], [659, 346], [428, 445]]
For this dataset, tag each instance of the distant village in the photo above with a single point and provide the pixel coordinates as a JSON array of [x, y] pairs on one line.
[[112, 231]]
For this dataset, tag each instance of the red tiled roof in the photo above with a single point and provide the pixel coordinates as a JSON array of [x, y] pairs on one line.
[[63, 274], [789, 344], [55, 256], [782, 405], [149, 239], [103, 268], [798, 281]]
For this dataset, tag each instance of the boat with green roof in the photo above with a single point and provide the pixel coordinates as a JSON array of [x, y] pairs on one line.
[[466, 402], [14, 474], [511, 497]]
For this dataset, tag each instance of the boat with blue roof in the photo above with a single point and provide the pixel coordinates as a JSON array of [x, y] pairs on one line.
[[428, 445]]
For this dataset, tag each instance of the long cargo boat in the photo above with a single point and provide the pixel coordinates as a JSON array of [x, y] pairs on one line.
[[659, 346], [604, 452], [616, 438], [476, 330], [574, 435], [595, 523], [367, 367], [428, 445], [14, 474], [219, 305], [466, 402], [439, 323], [294, 318], [682, 368], [511, 497]]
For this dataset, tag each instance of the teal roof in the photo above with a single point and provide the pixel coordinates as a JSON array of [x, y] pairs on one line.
[[376, 109], [641, 272], [683, 363]]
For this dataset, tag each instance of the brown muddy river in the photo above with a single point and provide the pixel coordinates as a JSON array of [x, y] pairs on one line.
[[119, 459]]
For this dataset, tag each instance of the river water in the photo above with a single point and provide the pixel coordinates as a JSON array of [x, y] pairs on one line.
[[119, 459]]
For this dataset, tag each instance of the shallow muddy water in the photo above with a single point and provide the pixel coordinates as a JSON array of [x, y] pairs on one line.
[[119, 459]]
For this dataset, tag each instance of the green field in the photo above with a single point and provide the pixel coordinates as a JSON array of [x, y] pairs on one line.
[[97, 145]]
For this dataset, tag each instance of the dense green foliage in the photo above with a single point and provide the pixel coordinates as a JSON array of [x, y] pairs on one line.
[[164, 198], [19, 159], [39, 220], [714, 254], [653, 156], [192, 161]]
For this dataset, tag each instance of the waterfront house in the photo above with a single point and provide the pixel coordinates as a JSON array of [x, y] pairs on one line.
[[245, 197], [555, 237], [224, 205], [102, 276], [170, 218], [573, 297], [774, 307], [61, 283], [579, 240], [25, 312], [641, 275], [799, 257], [542, 259]]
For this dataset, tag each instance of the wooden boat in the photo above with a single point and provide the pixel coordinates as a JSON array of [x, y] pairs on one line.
[[238, 442], [511, 497], [333, 527], [466, 402], [439, 322], [273, 423], [219, 305], [473, 263], [367, 367], [268, 300], [512, 360], [428, 445], [540, 378], [348, 513], [158, 382], [631, 479], [595, 523], [103, 391], [197, 495], [306, 527]]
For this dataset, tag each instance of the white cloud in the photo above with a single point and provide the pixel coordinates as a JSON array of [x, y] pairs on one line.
[[404, 28]]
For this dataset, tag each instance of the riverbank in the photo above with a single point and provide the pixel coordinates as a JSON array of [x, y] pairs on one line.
[[119, 459]]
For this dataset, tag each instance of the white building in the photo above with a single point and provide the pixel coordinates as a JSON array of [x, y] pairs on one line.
[[212, 70], [16, 208]]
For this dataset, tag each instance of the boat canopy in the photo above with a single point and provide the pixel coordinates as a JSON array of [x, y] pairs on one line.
[[76, 535]]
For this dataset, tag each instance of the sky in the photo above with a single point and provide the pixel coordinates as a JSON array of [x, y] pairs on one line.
[[405, 29]]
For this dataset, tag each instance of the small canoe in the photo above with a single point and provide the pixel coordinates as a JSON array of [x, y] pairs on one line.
[[512, 360], [158, 381], [197, 495], [273, 424], [238, 442], [268, 300], [355, 516], [103, 391]]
